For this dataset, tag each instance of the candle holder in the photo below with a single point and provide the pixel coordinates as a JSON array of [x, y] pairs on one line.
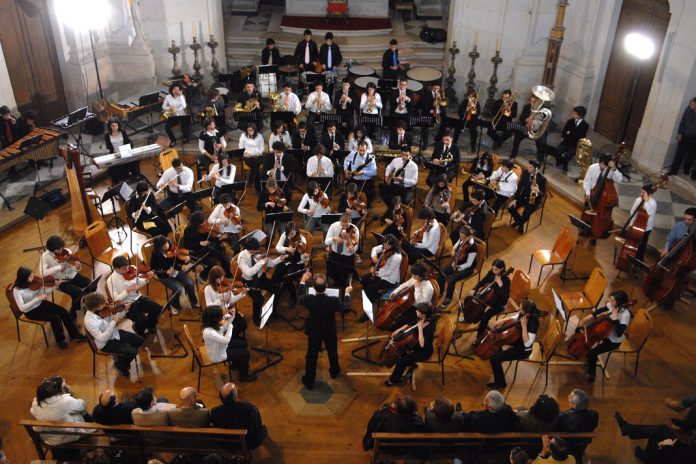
[[196, 47], [174, 50], [474, 55], [489, 108], [212, 44], [450, 92]]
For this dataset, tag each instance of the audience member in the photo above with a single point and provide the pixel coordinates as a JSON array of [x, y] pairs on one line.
[[110, 411], [401, 416], [554, 451], [518, 456], [579, 418], [541, 417], [496, 416], [440, 417], [3, 458], [149, 411], [190, 412], [236, 414]]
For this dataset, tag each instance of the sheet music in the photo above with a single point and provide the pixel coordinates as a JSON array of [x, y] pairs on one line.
[[258, 234], [125, 191], [125, 150], [559, 305], [329, 292], [266, 311], [367, 307]]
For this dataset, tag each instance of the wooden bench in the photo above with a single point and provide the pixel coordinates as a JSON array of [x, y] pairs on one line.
[[434, 446], [142, 440]]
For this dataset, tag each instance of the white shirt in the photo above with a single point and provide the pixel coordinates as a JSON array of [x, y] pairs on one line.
[[316, 103], [593, 174], [307, 203], [51, 267], [396, 102], [214, 133], [470, 257], [27, 299], [216, 341], [292, 103], [410, 173], [284, 137], [624, 319], [422, 293], [391, 271], [102, 329], [354, 160], [650, 207], [117, 284], [353, 144], [183, 185], [507, 182], [252, 147], [225, 299], [377, 106], [176, 103], [335, 231], [431, 238], [59, 408], [217, 217], [313, 165], [223, 178], [280, 245], [252, 268]]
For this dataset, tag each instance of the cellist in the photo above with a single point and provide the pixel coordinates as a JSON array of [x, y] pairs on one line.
[[422, 350], [596, 178], [384, 272], [462, 265], [501, 289], [423, 290]]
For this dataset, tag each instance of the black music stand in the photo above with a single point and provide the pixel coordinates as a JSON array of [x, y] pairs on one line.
[[425, 123], [285, 216], [584, 229], [330, 218], [245, 116], [232, 189], [91, 287], [546, 150], [331, 117], [120, 191], [173, 212], [149, 100], [178, 345], [266, 312], [200, 194], [288, 118], [312, 79]]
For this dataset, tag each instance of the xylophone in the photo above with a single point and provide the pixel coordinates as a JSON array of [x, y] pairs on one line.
[[130, 109], [46, 149]]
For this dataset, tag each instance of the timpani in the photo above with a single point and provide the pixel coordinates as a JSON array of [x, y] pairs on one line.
[[424, 74]]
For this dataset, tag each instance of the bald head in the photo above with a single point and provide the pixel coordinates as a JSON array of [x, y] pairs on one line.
[[105, 397], [187, 396], [228, 392]]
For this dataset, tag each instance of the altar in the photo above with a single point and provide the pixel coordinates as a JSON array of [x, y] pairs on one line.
[[358, 8]]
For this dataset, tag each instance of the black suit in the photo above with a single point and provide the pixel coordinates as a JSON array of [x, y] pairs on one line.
[[326, 142], [394, 141], [388, 420], [572, 132], [471, 125], [288, 164], [118, 414], [309, 139], [427, 104], [577, 421], [300, 54], [522, 198], [240, 415], [477, 222], [336, 56], [348, 114], [387, 61], [321, 327], [451, 167], [519, 136], [501, 133], [266, 53], [504, 420], [394, 102], [243, 98]]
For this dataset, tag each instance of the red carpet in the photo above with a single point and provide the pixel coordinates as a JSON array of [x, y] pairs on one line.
[[336, 24]]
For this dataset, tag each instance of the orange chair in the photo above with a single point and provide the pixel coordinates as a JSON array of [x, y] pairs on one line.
[[200, 357], [519, 289], [100, 245], [589, 297], [558, 255], [337, 9], [21, 317], [166, 157], [637, 335], [445, 331], [542, 350]]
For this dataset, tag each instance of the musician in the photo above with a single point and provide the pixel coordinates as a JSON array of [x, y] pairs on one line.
[[359, 135], [395, 217], [352, 195], [343, 239], [329, 54], [575, 129], [306, 52], [317, 102], [360, 167], [148, 217], [648, 203], [311, 207], [506, 105], [178, 181], [217, 102], [370, 104], [143, 311], [424, 241], [474, 214], [402, 99], [344, 102], [176, 102], [294, 245], [332, 140], [218, 293], [469, 111], [289, 100], [168, 268], [523, 134], [271, 201], [391, 65], [686, 141], [318, 165], [399, 136], [279, 166], [202, 245], [27, 123], [250, 93], [253, 274], [438, 197], [221, 173], [222, 216], [423, 350], [8, 127], [446, 156], [501, 288], [72, 282], [303, 139], [270, 54], [211, 142], [480, 170], [400, 177], [528, 196], [430, 106], [462, 265], [605, 167], [522, 348], [279, 134], [385, 271], [505, 181], [222, 340], [252, 143], [115, 137], [679, 230]]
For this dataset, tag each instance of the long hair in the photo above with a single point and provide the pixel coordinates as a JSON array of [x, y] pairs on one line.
[[22, 279], [49, 388], [211, 317]]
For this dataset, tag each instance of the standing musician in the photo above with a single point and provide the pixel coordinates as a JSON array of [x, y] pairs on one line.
[[317, 102], [279, 166], [371, 104], [221, 173], [344, 102], [219, 292], [391, 65], [423, 350], [504, 181], [501, 288], [506, 111], [250, 93], [480, 170], [520, 135], [319, 165], [438, 197], [253, 270], [329, 54], [575, 128], [311, 206], [222, 339], [115, 137], [424, 240], [521, 349], [530, 191], [166, 263], [423, 290], [272, 201], [294, 245], [252, 143], [66, 270], [395, 217], [321, 324], [306, 52], [227, 217], [201, 244], [332, 139], [399, 136], [148, 216], [270, 54], [359, 135], [462, 265], [385, 271], [303, 139], [279, 134], [143, 311], [605, 167], [686, 141], [178, 180], [469, 111], [290, 100], [360, 167], [353, 202], [175, 102], [400, 177], [446, 156], [211, 143], [472, 213], [430, 106], [402, 100], [343, 239], [648, 203]]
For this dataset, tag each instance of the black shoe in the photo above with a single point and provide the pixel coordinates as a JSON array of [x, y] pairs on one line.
[[496, 386], [389, 383], [122, 371], [172, 144], [520, 230], [335, 374], [641, 454], [308, 385], [591, 377], [623, 425], [363, 318], [446, 303], [79, 338], [63, 345], [248, 378]]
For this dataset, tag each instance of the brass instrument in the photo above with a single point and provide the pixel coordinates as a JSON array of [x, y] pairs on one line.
[[473, 101], [168, 113], [475, 178], [583, 156], [402, 101], [444, 102], [505, 110], [533, 193], [387, 153], [247, 108], [208, 112], [275, 99], [344, 100], [370, 103], [436, 107], [540, 117]]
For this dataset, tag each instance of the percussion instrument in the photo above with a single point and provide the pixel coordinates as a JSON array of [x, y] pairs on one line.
[[288, 68], [414, 86], [130, 109], [424, 74], [330, 77], [303, 76], [361, 82], [362, 70], [45, 149]]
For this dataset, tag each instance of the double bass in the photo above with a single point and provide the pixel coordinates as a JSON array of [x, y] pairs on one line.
[[400, 344], [666, 279], [588, 336], [474, 306], [602, 200]]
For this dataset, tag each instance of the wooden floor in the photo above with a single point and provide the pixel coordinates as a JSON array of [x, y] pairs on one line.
[[332, 432]]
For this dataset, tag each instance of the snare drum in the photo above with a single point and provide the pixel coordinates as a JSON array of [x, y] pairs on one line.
[[361, 70], [330, 77], [424, 74]]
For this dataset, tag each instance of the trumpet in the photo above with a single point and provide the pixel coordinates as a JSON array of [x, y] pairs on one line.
[[402, 101], [344, 100]]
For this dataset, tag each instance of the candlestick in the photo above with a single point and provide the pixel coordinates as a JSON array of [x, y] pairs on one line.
[[489, 109], [497, 44], [174, 50], [195, 46], [213, 62], [450, 92], [475, 38], [473, 54]]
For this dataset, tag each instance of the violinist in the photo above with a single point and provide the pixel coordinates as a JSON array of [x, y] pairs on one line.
[[528, 196], [521, 349], [354, 202], [480, 169], [595, 172], [423, 349], [201, 244], [462, 265], [472, 213], [124, 284], [469, 111], [166, 263], [424, 240], [210, 142], [446, 157], [101, 321], [178, 181], [60, 263], [648, 203], [501, 290], [385, 271], [343, 239], [438, 197], [271, 201], [31, 300], [253, 269], [292, 244], [400, 177], [222, 340], [222, 172], [279, 165], [423, 290], [304, 139], [227, 217], [319, 165], [219, 292], [396, 218], [359, 166], [314, 204], [148, 217], [504, 180]]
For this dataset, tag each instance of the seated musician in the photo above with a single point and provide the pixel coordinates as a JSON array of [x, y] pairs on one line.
[[306, 52], [423, 290], [303, 139], [575, 128], [620, 317], [311, 207], [520, 135], [143, 311], [217, 102], [648, 203], [228, 219], [115, 137], [68, 272], [148, 217], [425, 240], [469, 111], [343, 239], [505, 112], [289, 101], [400, 177], [501, 289], [522, 348], [200, 243], [423, 350], [329, 54], [359, 135], [528, 196], [596, 170], [272, 201], [218, 293], [251, 94], [462, 265], [176, 103], [280, 134], [331, 139], [391, 65], [279, 166], [319, 165], [178, 180], [344, 102], [293, 245], [385, 271], [211, 142], [222, 339], [679, 231], [252, 143], [446, 157], [472, 213], [400, 136], [354, 202], [317, 102], [252, 266], [360, 167], [480, 170], [429, 107], [395, 217], [8, 127], [168, 267], [438, 197], [270, 54], [26, 123], [402, 100], [221, 173], [504, 180]]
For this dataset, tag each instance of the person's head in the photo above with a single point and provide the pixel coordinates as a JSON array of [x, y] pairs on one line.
[[494, 401], [345, 84], [507, 165], [319, 151], [484, 155], [212, 317], [401, 127], [426, 214], [435, 87], [107, 398], [270, 43], [559, 448], [442, 408], [362, 147], [271, 185], [50, 387], [579, 112], [175, 90], [307, 35], [477, 197], [319, 87], [529, 307], [312, 187], [441, 181], [23, 277], [418, 271], [287, 88], [302, 127], [689, 216], [447, 138], [225, 199], [319, 281], [249, 87], [692, 104], [94, 302], [290, 229], [405, 152], [209, 123], [196, 219], [646, 190], [518, 456], [54, 243], [141, 188], [187, 397], [278, 148], [328, 38], [424, 310], [532, 166], [215, 275], [405, 406], [579, 400], [390, 242], [396, 202], [352, 189], [498, 266], [5, 112], [465, 232], [507, 95], [331, 127], [113, 125], [120, 264], [604, 160], [228, 393], [177, 165], [213, 93], [252, 244], [403, 83], [345, 220], [370, 88], [393, 44], [545, 409], [160, 244], [251, 130], [145, 398], [618, 299], [360, 132]]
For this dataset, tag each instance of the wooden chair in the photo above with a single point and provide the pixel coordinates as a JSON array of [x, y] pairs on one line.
[[408, 212], [478, 264], [589, 297], [200, 357], [166, 157], [337, 9], [101, 248], [558, 255], [488, 226], [21, 317], [445, 330], [542, 350], [441, 243], [97, 352], [519, 289], [637, 335], [200, 291]]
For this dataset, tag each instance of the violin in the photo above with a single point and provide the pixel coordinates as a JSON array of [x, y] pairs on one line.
[[420, 233], [133, 272], [45, 282], [64, 256], [113, 307], [383, 258], [474, 306], [508, 332], [178, 253], [206, 229], [235, 218], [393, 308], [278, 199], [321, 199], [400, 344], [602, 200], [462, 252], [588, 336], [358, 203], [296, 243], [351, 235]]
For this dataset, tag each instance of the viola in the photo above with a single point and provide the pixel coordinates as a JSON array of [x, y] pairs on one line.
[[296, 243], [474, 306], [462, 252], [358, 203], [278, 199], [588, 336], [178, 253], [133, 272], [235, 218], [602, 200], [383, 258], [420, 233], [399, 345], [64, 256], [393, 308], [45, 282], [666, 280]]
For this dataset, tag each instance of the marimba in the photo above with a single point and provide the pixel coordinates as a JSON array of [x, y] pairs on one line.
[[45, 149]]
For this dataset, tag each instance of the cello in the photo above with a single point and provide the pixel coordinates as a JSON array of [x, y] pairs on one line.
[[393, 308], [507, 333], [666, 279], [602, 200], [400, 344], [474, 306], [588, 336]]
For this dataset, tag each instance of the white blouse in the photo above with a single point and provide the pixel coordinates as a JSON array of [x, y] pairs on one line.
[[252, 147], [377, 107]]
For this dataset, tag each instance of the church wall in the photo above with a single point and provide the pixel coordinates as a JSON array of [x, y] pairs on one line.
[[6, 94]]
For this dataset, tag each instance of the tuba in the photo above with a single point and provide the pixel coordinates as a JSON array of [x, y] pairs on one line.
[[583, 156], [540, 117]]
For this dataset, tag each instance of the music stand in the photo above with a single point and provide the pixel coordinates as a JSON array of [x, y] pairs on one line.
[[90, 288], [546, 150], [232, 189], [386, 84], [583, 228], [330, 218], [258, 234], [266, 312], [284, 216], [149, 100], [287, 117], [331, 117], [424, 122], [123, 191], [369, 341], [178, 345], [173, 212]]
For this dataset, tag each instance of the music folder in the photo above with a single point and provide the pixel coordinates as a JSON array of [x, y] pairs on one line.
[[149, 99], [330, 218], [329, 292], [258, 234]]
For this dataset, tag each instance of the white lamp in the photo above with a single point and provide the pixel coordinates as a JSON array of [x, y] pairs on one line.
[[639, 45]]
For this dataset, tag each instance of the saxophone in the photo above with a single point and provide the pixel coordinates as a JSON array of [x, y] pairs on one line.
[[370, 103], [533, 194]]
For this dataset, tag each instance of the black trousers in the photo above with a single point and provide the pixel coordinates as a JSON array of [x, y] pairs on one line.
[[389, 191], [183, 121], [564, 153], [339, 267], [640, 252], [238, 354], [499, 136], [254, 178], [517, 139], [414, 254], [604, 347], [488, 315], [144, 313], [174, 199], [685, 154], [74, 287], [473, 135], [57, 316], [125, 349], [407, 360], [505, 355], [373, 284], [261, 283], [286, 274], [527, 210], [500, 200], [452, 276], [314, 342]]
